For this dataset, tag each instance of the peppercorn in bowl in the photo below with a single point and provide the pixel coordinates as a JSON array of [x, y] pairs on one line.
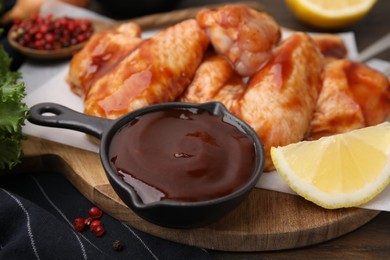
[[49, 37]]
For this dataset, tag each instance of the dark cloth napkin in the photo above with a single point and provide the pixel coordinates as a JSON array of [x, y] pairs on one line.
[[36, 215]]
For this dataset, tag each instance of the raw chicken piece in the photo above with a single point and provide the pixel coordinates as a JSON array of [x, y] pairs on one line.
[[100, 54], [331, 46], [371, 90], [215, 80], [352, 96], [243, 35], [280, 99], [157, 71]]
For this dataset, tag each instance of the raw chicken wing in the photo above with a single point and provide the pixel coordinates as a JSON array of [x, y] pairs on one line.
[[280, 99], [243, 35], [157, 71], [100, 54], [215, 80], [332, 46], [352, 96]]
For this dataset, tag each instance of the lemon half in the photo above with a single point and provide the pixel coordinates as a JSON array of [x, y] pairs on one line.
[[330, 14], [343, 170]]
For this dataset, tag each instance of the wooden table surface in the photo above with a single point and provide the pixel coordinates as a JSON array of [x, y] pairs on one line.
[[373, 239]]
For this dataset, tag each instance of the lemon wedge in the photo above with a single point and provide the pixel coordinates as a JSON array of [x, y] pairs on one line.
[[330, 14], [338, 171]]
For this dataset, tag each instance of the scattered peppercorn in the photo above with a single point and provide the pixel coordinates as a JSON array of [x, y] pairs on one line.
[[117, 245], [50, 33], [88, 221], [94, 224], [78, 224], [95, 212], [99, 231]]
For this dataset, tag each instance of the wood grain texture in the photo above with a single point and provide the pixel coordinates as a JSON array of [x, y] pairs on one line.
[[266, 220]]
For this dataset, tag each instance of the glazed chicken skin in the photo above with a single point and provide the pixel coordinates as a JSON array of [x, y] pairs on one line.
[[157, 71], [331, 46], [280, 99], [353, 95], [215, 80], [243, 35], [100, 54]]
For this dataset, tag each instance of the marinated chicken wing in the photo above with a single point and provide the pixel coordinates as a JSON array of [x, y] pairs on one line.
[[371, 90], [280, 99], [100, 54], [215, 80], [158, 70], [352, 96], [244, 36], [332, 46]]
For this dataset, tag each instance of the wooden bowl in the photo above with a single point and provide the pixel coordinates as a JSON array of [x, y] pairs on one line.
[[98, 26], [45, 54]]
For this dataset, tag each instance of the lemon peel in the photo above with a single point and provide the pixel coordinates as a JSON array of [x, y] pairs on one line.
[[327, 14], [344, 170]]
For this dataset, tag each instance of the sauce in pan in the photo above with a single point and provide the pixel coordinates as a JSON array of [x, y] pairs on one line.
[[182, 155]]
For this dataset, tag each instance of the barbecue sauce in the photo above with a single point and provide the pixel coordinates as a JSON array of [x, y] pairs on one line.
[[182, 155]]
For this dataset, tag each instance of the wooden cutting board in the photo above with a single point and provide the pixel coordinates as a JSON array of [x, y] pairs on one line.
[[266, 220]]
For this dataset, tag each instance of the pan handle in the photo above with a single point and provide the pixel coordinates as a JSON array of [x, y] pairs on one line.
[[56, 115]]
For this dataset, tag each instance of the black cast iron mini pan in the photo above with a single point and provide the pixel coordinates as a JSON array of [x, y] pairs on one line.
[[174, 214]]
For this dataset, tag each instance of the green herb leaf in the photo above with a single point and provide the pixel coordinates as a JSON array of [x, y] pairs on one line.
[[13, 112]]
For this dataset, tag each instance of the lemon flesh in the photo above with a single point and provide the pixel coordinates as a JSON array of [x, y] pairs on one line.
[[330, 14], [343, 170]]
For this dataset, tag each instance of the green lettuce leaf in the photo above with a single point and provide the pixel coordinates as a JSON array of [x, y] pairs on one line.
[[13, 112]]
